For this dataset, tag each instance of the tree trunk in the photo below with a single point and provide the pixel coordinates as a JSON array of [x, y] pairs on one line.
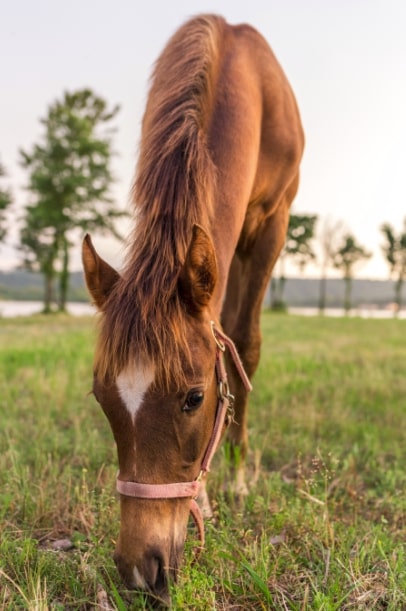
[[322, 293], [48, 270], [347, 294], [282, 282], [64, 277], [278, 286], [398, 295], [48, 292], [272, 291]]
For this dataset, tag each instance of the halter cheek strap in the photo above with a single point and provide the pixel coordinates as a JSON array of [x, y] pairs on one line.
[[224, 414]]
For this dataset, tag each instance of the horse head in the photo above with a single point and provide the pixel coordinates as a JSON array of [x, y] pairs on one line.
[[162, 425]]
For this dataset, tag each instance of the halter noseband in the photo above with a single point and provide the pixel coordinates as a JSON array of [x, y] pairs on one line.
[[224, 415]]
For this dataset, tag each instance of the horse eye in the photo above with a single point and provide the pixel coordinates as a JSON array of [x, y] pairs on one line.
[[194, 400]]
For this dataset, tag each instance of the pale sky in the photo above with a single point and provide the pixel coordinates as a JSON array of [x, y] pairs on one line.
[[346, 62]]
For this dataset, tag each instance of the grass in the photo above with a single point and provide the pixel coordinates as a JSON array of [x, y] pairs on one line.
[[323, 526]]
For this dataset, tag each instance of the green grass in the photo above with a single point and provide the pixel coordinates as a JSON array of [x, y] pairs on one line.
[[323, 526]]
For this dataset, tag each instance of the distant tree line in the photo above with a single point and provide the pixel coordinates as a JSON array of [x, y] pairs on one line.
[[69, 180], [339, 249]]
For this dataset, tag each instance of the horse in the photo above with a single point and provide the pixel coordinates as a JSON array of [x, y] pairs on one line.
[[218, 168]]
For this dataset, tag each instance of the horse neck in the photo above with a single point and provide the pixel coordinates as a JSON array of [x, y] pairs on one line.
[[224, 245]]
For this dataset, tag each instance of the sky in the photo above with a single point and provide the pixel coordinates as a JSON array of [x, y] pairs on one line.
[[346, 62]]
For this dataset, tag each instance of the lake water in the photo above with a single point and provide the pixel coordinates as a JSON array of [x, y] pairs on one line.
[[361, 312], [10, 309]]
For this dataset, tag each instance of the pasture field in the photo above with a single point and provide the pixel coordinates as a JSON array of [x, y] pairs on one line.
[[322, 528]]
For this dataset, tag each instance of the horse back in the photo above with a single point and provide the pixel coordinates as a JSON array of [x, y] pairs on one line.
[[256, 135]]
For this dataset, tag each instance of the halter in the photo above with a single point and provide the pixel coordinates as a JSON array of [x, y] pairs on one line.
[[224, 416]]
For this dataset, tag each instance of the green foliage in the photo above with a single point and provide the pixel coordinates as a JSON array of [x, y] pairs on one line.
[[395, 254], [323, 525], [299, 236], [348, 254], [5, 201], [69, 181]]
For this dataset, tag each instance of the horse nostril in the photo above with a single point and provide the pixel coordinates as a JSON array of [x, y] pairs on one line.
[[156, 574]]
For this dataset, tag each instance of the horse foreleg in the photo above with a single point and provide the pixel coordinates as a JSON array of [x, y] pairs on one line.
[[249, 278]]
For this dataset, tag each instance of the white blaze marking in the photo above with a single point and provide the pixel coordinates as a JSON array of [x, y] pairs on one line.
[[132, 384]]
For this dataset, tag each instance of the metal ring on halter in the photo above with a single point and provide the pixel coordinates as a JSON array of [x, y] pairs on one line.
[[220, 345]]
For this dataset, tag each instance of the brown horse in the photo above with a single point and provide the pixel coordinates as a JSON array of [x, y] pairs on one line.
[[218, 169]]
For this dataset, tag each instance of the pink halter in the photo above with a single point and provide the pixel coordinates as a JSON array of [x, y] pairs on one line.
[[224, 414]]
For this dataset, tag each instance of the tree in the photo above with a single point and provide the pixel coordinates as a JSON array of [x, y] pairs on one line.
[[69, 181], [300, 234], [298, 247], [330, 232], [5, 201], [395, 254], [348, 254]]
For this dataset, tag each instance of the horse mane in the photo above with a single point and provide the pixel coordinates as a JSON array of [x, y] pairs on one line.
[[144, 320]]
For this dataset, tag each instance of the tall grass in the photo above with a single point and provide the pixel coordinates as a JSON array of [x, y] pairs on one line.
[[323, 526]]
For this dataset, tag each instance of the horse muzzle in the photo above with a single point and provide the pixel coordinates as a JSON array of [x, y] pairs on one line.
[[151, 543], [151, 574]]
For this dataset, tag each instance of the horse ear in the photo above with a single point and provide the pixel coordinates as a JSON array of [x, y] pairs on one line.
[[100, 276], [198, 276]]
